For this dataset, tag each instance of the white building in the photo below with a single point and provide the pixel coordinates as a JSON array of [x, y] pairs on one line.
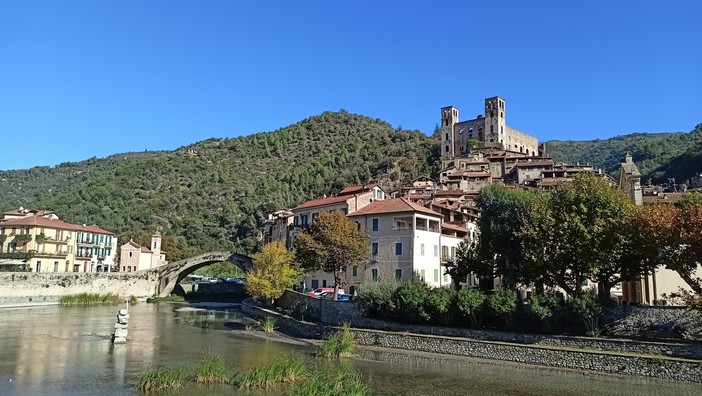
[[405, 243]]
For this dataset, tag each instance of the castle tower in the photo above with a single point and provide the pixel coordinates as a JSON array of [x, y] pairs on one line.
[[449, 118], [495, 122], [155, 249]]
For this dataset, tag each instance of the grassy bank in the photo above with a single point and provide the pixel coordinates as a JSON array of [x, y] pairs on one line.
[[289, 375], [93, 299], [340, 344]]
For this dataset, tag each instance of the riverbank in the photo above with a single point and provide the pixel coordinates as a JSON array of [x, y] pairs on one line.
[[570, 358], [10, 305]]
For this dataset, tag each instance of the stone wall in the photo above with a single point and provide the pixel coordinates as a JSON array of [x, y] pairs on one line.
[[655, 367], [320, 310], [23, 287]]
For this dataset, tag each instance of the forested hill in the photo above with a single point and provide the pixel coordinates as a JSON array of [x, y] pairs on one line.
[[211, 195], [657, 155]]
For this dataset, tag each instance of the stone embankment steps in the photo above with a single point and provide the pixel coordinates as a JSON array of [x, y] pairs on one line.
[[559, 357]]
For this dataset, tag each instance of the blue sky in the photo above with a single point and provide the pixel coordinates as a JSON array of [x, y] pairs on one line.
[[92, 78]]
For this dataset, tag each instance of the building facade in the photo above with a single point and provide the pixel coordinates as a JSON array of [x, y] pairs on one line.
[[134, 257], [39, 241]]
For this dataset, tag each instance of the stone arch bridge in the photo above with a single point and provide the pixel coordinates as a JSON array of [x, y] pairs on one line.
[[172, 273]]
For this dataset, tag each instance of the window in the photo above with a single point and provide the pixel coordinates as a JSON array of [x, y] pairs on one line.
[[398, 275], [398, 249], [436, 276], [421, 275], [421, 249], [374, 249], [453, 251], [374, 274], [38, 266], [55, 266], [354, 271], [324, 283], [436, 250], [446, 279], [375, 224]]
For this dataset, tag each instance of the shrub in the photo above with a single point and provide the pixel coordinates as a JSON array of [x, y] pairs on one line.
[[440, 304], [504, 303], [90, 299], [588, 307], [376, 298], [545, 307], [469, 302], [410, 300]]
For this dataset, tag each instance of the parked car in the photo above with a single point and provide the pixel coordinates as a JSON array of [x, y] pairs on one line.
[[340, 297], [316, 292]]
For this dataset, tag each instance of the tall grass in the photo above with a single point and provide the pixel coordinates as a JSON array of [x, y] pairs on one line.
[[342, 380], [212, 369], [268, 324], [340, 344], [162, 379], [90, 299], [289, 369]]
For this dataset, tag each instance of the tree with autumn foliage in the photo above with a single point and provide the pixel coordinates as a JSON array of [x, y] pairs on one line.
[[676, 233], [332, 244], [272, 271]]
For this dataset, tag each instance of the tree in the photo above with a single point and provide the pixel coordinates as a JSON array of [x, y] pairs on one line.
[[272, 271], [503, 211], [575, 234], [331, 244], [504, 303], [467, 261]]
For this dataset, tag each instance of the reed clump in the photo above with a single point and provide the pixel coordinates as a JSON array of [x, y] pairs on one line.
[[90, 299], [341, 380], [212, 369], [288, 370], [162, 379], [340, 344], [268, 324]]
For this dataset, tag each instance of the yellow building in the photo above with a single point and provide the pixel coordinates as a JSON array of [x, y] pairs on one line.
[[39, 241]]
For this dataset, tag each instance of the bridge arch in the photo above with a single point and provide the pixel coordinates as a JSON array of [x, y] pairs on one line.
[[172, 273]]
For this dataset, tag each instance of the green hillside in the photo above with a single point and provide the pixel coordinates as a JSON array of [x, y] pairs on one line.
[[657, 155], [212, 194]]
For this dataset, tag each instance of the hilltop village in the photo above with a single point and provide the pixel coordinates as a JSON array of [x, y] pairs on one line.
[[416, 230]]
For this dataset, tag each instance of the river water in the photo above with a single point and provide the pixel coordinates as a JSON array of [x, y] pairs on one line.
[[67, 351]]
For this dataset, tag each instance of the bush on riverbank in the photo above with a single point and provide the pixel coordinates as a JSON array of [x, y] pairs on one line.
[[415, 302], [93, 299], [288, 370]]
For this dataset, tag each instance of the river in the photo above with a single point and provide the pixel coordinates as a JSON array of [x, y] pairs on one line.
[[56, 350]]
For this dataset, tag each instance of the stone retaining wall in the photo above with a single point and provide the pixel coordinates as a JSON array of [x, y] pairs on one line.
[[24, 287], [655, 367]]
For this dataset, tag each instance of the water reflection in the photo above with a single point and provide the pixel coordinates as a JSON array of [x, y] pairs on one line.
[[67, 351]]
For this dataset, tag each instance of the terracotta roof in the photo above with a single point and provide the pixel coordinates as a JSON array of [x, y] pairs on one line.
[[357, 189], [664, 198], [469, 174], [396, 205], [450, 193], [548, 182], [93, 229], [144, 249], [453, 227], [322, 202], [38, 221], [526, 164]]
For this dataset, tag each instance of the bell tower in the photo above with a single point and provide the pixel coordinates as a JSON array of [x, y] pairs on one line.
[[449, 119], [495, 122]]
